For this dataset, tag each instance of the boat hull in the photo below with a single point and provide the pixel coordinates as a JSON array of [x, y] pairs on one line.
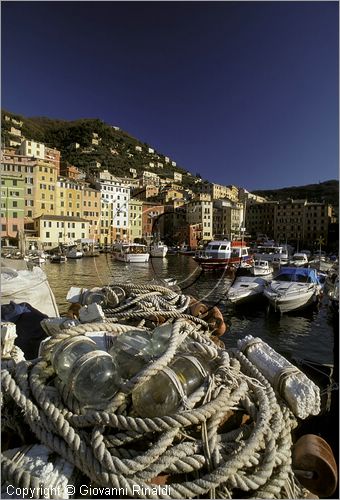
[[261, 272], [293, 301], [158, 252], [246, 289], [211, 264], [245, 297], [131, 258]]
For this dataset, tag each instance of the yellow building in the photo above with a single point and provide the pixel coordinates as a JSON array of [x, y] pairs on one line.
[[106, 236], [44, 188], [55, 229], [135, 219], [91, 211], [68, 197]]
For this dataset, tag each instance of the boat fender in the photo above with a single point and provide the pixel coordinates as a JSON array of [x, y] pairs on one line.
[[155, 321], [216, 321], [73, 310], [197, 308], [314, 465]]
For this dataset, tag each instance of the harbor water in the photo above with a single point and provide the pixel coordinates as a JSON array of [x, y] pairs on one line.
[[307, 335]]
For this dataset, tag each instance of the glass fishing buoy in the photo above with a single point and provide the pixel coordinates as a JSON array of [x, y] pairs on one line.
[[89, 372], [167, 391], [131, 351]]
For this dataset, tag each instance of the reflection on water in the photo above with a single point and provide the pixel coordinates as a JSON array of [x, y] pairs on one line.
[[307, 335]]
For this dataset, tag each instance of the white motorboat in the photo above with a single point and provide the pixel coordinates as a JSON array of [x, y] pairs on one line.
[[261, 268], [130, 252], [35, 259], [158, 249], [293, 288], [277, 254], [246, 288], [223, 254], [299, 260]]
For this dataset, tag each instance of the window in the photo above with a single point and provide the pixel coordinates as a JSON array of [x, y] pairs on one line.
[[15, 183], [43, 205], [47, 234], [15, 215], [15, 227], [15, 203], [3, 227]]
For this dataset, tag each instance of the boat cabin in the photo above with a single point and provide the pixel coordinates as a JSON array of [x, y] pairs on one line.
[[218, 249], [131, 248]]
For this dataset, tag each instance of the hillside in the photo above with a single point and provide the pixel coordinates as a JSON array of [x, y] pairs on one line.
[[327, 191], [116, 150]]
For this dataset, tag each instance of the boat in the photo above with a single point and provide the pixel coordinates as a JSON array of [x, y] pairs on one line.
[[276, 254], [299, 259], [91, 252], [36, 258], [186, 250], [88, 247], [158, 249], [294, 288], [262, 268], [58, 258], [172, 250], [245, 289], [130, 252], [223, 254], [72, 252]]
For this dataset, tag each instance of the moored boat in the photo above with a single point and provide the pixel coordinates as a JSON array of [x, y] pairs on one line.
[[293, 288], [130, 252], [261, 268], [270, 252], [72, 252], [58, 258], [223, 254], [299, 259], [158, 249], [186, 250], [245, 289]]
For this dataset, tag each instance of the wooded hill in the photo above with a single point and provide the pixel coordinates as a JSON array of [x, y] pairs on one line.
[[327, 192], [116, 150]]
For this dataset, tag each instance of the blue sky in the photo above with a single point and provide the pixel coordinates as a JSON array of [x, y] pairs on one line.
[[244, 93]]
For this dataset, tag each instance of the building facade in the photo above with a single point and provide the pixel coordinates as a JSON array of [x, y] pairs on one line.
[[12, 204], [136, 219], [55, 229]]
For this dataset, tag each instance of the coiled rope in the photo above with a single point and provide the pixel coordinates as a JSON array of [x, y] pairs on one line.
[[199, 451]]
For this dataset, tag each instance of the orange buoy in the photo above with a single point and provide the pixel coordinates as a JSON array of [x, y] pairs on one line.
[[314, 465]]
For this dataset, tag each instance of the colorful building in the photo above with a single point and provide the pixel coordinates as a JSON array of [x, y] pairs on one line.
[[12, 204], [135, 219], [55, 229]]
